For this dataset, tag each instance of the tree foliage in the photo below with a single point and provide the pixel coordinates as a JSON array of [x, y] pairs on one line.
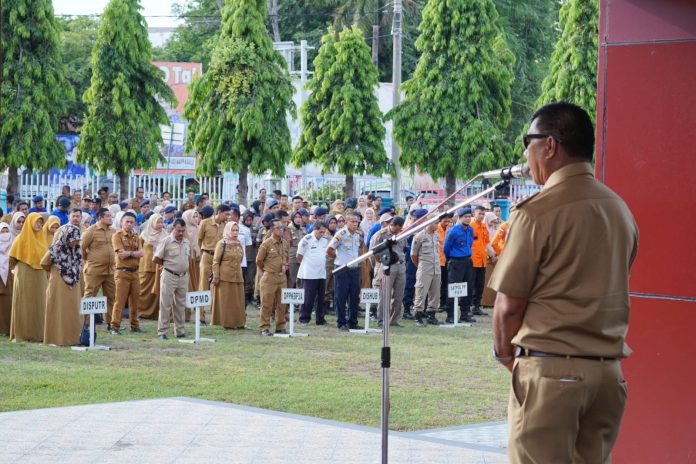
[[34, 89], [458, 101], [121, 129], [341, 120], [238, 108], [573, 74]]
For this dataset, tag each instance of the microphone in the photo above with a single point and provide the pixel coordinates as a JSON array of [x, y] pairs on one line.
[[519, 171]]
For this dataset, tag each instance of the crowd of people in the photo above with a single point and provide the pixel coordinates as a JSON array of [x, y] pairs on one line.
[[145, 254]]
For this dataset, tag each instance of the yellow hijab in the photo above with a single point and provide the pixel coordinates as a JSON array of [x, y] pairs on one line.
[[30, 245], [47, 229]]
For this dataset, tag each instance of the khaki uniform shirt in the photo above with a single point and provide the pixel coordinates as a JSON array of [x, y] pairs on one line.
[[398, 247], [426, 247], [98, 250], [127, 242], [174, 255], [188, 205], [274, 255], [135, 205], [568, 252], [210, 233]]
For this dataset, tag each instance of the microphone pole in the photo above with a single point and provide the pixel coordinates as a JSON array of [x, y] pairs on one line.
[[387, 257]]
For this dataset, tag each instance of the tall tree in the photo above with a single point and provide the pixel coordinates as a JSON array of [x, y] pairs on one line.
[[342, 122], [238, 109], [33, 88], [573, 75], [121, 131], [78, 36], [458, 101]]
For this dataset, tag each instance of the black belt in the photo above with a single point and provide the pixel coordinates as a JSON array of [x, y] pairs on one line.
[[175, 273], [460, 257], [542, 354], [127, 269], [208, 251]]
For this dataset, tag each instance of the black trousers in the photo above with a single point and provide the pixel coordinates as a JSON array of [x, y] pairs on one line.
[[314, 300], [479, 284], [460, 270], [443, 286]]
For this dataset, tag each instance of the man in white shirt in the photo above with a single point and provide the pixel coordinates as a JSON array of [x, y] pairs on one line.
[[311, 254], [244, 236]]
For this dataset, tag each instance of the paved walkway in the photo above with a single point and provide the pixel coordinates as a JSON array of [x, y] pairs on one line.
[[183, 430]]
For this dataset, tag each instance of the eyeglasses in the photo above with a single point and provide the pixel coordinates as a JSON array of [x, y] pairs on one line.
[[527, 138]]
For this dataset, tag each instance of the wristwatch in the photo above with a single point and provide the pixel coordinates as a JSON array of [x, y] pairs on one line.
[[501, 359]]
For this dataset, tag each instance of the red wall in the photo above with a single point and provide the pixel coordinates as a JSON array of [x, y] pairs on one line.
[[646, 152]]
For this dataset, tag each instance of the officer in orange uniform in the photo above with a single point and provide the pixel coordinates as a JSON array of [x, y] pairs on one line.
[[480, 253], [445, 224]]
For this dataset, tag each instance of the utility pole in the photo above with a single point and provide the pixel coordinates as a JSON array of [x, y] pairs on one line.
[[396, 98]]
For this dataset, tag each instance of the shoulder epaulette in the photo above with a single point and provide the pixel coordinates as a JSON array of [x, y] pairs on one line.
[[524, 200]]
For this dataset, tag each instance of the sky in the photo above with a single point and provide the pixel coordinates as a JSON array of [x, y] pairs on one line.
[[150, 8]]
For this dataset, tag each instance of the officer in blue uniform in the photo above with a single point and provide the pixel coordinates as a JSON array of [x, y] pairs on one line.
[[457, 250]]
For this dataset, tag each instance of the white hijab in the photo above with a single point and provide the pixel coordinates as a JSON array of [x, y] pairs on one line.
[[6, 240]]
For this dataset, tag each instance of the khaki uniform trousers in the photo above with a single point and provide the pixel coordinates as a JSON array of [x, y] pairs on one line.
[[398, 283], [427, 285], [271, 286], [564, 410], [172, 302], [105, 283], [127, 291], [206, 268]]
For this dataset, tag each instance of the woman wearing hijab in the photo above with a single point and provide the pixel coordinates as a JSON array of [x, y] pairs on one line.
[[368, 221], [29, 288], [297, 232], [63, 260], [17, 223], [337, 207], [492, 222], [153, 232], [50, 227], [6, 279], [332, 227], [228, 309]]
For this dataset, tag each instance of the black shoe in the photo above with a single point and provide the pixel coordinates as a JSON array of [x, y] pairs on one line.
[[343, 328], [204, 323], [266, 333], [442, 309], [116, 332], [303, 322], [395, 324], [478, 312], [467, 319], [181, 335], [320, 323], [281, 332], [432, 320], [449, 320], [137, 329], [419, 321], [355, 327], [408, 316], [163, 337]]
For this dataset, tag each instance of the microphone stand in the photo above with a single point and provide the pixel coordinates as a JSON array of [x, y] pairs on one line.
[[387, 257]]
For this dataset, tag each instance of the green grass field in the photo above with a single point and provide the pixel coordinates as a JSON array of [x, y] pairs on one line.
[[439, 377]]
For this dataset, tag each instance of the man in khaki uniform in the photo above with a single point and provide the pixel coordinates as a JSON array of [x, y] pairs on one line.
[[397, 272], [209, 234], [172, 254], [425, 254], [561, 313], [98, 255], [272, 260], [128, 253]]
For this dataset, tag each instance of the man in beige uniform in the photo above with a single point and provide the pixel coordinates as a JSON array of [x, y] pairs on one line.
[[128, 253], [209, 234], [561, 313], [272, 260], [397, 272], [425, 254], [172, 254], [98, 255]]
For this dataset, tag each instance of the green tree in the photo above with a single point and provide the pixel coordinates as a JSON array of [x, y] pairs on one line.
[[573, 75], [78, 36], [33, 88], [458, 101], [121, 129], [342, 122], [238, 109]]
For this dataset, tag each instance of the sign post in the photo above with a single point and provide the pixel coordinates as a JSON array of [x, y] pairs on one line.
[[92, 306], [456, 291], [197, 300], [292, 296], [368, 296]]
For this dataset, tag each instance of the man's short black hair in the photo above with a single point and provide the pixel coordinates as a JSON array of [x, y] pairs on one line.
[[409, 197], [297, 197], [570, 125], [284, 195], [10, 199], [75, 210], [200, 201], [103, 189], [320, 224], [102, 212], [178, 222], [129, 214], [479, 208], [277, 192], [190, 191], [281, 213], [223, 208], [22, 203]]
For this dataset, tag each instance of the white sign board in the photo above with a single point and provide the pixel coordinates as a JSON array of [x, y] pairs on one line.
[[93, 305], [198, 299], [369, 295], [457, 290], [292, 296]]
